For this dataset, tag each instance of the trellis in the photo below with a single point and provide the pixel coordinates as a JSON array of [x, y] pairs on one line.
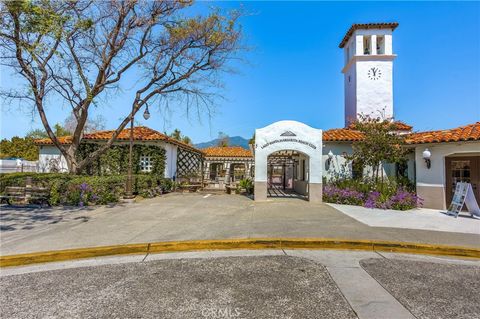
[[189, 164]]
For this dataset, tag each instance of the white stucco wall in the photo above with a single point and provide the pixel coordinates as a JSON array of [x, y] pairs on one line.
[[373, 97], [431, 183], [338, 166], [48, 155], [269, 139], [350, 93], [435, 176], [341, 168]]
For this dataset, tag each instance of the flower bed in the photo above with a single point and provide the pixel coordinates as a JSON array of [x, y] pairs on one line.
[[81, 190], [398, 199]]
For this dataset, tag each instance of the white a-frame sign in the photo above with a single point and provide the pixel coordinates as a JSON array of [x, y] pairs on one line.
[[464, 196]]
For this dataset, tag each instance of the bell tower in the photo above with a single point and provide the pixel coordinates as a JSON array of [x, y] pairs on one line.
[[368, 70]]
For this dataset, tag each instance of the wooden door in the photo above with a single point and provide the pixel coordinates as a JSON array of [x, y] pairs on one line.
[[462, 169]]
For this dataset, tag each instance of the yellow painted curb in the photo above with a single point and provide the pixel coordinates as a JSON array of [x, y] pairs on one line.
[[232, 244]]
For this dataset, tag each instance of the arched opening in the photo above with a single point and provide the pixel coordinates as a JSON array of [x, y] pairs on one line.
[[288, 160], [237, 172], [287, 174], [217, 172]]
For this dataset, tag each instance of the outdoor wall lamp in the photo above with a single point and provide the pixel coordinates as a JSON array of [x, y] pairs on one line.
[[426, 157], [330, 157]]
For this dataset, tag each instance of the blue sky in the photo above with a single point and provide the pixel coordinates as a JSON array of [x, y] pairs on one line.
[[293, 70]]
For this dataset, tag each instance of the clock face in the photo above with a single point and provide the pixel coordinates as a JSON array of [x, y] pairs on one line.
[[374, 73]]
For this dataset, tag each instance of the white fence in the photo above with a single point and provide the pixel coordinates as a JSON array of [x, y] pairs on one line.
[[13, 166]]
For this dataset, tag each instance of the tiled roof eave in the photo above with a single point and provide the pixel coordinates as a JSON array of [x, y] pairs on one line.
[[436, 141], [356, 26]]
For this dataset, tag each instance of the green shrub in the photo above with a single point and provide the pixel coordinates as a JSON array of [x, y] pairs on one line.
[[247, 184], [83, 190]]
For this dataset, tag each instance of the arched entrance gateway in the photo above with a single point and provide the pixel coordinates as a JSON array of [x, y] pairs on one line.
[[288, 160]]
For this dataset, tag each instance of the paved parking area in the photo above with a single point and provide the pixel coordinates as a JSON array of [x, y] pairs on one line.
[[237, 287], [430, 290], [246, 284], [194, 217]]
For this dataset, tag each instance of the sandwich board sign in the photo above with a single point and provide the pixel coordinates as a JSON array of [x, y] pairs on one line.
[[464, 196]]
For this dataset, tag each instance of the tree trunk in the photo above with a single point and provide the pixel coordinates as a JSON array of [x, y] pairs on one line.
[[71, 160]]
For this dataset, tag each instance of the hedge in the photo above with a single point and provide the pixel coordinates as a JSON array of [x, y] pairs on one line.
[[80, 190]]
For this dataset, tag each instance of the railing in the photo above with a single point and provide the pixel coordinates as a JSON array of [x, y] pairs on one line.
[[14, 166]]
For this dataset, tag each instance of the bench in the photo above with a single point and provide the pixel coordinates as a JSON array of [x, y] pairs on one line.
[[191, 188], [26, 195], [231, 188]]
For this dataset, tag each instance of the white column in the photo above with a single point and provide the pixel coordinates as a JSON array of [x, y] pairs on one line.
[[373, 44], [388, 44], [359, 45]]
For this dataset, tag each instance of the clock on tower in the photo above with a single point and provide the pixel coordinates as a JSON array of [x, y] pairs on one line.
[[368, 70]]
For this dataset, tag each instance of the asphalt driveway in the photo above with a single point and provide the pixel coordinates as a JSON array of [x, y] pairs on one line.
[[238, 287], [246, 284], [194, 217]]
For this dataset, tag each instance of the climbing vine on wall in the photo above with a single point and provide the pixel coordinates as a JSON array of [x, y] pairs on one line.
[[115, 160]]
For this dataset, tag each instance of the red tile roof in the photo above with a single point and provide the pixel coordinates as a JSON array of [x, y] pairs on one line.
[[228, 151], [140, 133], [342, 135], [463, 133], [356, 26]]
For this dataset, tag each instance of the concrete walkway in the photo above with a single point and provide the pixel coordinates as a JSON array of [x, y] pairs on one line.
[[364, 294], [177, 217], [420, 218]]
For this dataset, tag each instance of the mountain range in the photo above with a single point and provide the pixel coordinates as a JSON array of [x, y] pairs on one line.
[[232, 141]]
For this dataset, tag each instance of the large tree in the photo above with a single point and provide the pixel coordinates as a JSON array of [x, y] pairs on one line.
[[381, 143], [76, 52]]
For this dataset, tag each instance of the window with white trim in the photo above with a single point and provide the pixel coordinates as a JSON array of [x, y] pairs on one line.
[[146, 163]]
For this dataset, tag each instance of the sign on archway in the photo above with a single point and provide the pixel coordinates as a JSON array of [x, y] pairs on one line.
[[306, 141]]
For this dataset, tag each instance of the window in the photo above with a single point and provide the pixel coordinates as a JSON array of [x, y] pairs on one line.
[[380, 44], [146, 163], [367, 44]]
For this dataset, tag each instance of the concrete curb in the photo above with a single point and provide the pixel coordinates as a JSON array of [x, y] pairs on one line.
[[232, 244]]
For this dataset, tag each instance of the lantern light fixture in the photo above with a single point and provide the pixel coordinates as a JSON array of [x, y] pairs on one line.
[[426, 156], [146, 114]]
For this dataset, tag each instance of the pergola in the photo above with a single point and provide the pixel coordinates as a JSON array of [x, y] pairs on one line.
[[227, 165]]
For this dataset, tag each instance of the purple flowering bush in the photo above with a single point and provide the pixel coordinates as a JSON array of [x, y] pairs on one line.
[[390, 197], [347, 196], [403, 200]]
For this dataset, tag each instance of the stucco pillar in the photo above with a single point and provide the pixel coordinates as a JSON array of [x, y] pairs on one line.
[[315, 191], [206, 171], [227, 173], [261, 190]]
